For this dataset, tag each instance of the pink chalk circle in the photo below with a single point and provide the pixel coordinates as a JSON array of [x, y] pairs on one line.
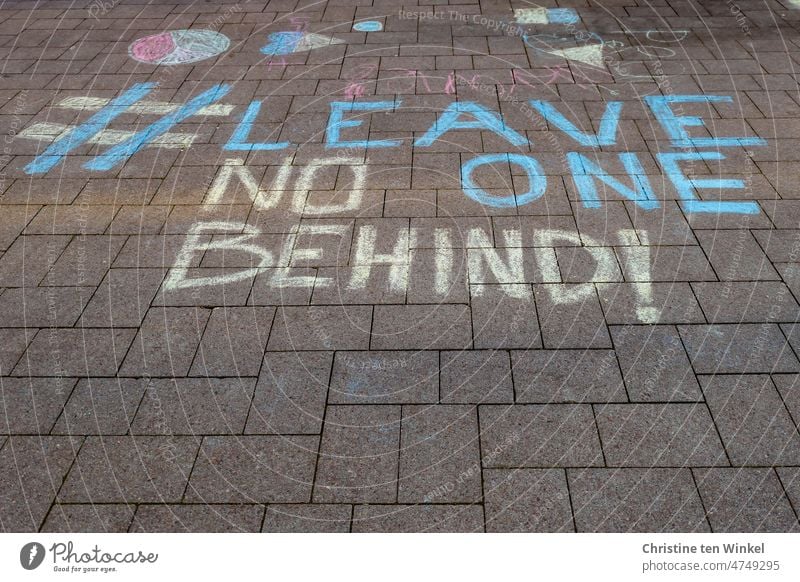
[[178, 47]]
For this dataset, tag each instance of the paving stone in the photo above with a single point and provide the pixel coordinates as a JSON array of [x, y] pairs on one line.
[[659, 435], [573, 324], [439, 455], [122, 298], [789, 389], [101, 406], [118, 469], [95, 518], [198, 518], [553, 376], [233, 342], [476, 377], [504, 316], [745, 500], [623, 303], [291, 393], [85, 261], [75, 352], [552, 435], [417, 518], [636, 500], [752, 420], [756, 302], [307, 518], [392, 377], [321, 328], [527, 500], [735, 255], [32, 469], [746, 349], [31, 405], [790, 479], [359, 455], [42, 306], [254, 469], [189, 406], [166, 342], [421, 327], [13, 343], [654, 364], [29, 259]]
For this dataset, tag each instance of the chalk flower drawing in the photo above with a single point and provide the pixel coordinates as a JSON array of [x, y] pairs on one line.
[[178, 47]]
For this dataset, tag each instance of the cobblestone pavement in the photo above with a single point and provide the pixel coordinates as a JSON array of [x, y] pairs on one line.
[[380, 265]]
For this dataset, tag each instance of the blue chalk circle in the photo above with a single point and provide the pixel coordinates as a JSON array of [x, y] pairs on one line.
[[368, 26], [562, 16]]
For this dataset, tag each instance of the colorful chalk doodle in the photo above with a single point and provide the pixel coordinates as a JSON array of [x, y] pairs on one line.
[[368, 26], [178, 47], [546, 16], [295, 41]]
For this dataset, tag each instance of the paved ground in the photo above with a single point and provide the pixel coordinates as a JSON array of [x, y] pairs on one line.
[[234, 297]]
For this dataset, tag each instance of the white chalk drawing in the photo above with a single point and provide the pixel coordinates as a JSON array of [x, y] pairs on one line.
[[178, 47], [295, 41]]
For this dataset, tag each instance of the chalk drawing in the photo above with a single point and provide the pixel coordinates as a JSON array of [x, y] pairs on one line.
[[365, 257], [585, 171], [536, 179], [336, 122], [546, 16], [607, 134], [637, 257], [368, 26], [295, 41], [482, 119], [178, 47], [482, 257]]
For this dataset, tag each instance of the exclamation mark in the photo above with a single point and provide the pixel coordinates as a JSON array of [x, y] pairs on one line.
[[637, 257]]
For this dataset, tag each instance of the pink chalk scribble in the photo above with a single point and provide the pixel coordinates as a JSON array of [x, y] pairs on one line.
[[354, 90], [152, 49], [178, 47]]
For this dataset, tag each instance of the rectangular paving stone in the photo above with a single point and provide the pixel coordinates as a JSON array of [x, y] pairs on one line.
[[417, 518], [95, 518], [742, 348], [253, 469], [29, 258], [85, 261], [307, 518], [291, 393], [321, 328], [359, 455], [101, 406], [31, 405], [654, 364], [122, 298], [553, 376], [192, 406], [752, 420], [735, 255], [476, 376], [659, 435], [421, 327], [166, 342], [633, 303], [42, 306], [636, 500], [504, 316], [391, 377], [745, 500], [754, 302], [575, 324], [13, 343], [32, 469], [439, 455], [233, 342], [527, 500], [198, 518], [124, 469], [553, 435], [75, 352]]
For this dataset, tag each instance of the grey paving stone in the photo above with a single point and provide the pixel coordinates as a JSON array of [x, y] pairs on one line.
[[13, 343], [359, 455], [418, 518], [735, 255], [745, 500], [42, 306], [122, 298], [31, 405], [391, 377], [527, 500], [31, 471], [291, 393], [307, 518], [439, 455], [790, 479], [573, 324], [476, 377], [658, 435], [198, 518], [101, 406], [558, 376], [121, 469], [752, 420], [321, 328], [623, 303], [421, 327], [744, 348], [504, 316], [194, 406], [755, 302], [233, 342], [789, 389], [254, 469], [552, 435], [636, 500], [94, 518], [166, 342], [654, 364]]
